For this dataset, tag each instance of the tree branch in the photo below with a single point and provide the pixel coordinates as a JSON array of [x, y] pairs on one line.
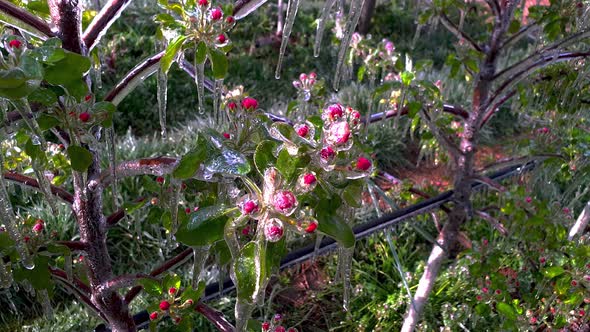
[[447, 108], [32, 183], [79, 284], [489, 182], [580, 225], [73, 245], [449, 145], [16, 13], [137, 75], [65, 15], [493, 221], [215, 317], [518, 35], [102, 22], [148, 166], [459, 33], [125, 280], [169, 264]]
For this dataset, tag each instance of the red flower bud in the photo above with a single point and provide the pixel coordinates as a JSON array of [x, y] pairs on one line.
[[15, 43], [154, 315], [327, 153], [84, 116], [188, 210], [160, 179], [38, 228], [249, 103], [284, 202], [216, 14], [164, 305], [273, 230], [303, 131], [311, 228], [232, 105], [528, 199], [363, 164], [88, 97], [172, 291], [203, 3], [279, 328], [265, 326], [221, 39], [249, 207], [230, 19], [334, 111], [226, 135], [309, 179]]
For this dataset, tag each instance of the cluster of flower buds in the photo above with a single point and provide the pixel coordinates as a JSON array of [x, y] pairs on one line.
[[274, 325], [237, 105], [209, 24], [170, 307], [305, 81]]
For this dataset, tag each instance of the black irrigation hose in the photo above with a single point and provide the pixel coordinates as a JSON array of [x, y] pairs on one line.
[[360, 231]]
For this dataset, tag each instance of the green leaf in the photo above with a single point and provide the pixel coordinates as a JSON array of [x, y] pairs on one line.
[[152, 287], [47, 121], [172, 50], [286, 164], [67, 70], [193, 294], [407, 77], [205, 227], [219, 63], [43, 96], [229, 162], [80, 158], [245, 270], [34, 151], [352, 193], [201, 52], [553, 271], [189, 164], [506, 310], [171, 280], [336, 228], [12, 78], [263, 156]]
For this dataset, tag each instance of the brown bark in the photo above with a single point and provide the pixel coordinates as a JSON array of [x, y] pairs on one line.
[[365, 20]]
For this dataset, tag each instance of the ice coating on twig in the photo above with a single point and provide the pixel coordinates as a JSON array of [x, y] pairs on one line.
[[352, 20], [162, 99], [289, 20]]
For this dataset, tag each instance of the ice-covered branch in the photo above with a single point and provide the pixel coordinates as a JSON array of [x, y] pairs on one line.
[[102, 22], [581, 223], [489, 182], [493, 222], [79, 284], [519, 34], [147, 166], [169, 264], [244, 7], [215, 317], [19, 18], [33, 183], [74, 245], [459, 33], [66, 16], [126, 280], [448, 144], [135, 77], [78, 291]]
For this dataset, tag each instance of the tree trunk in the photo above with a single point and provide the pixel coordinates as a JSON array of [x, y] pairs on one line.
[[366, 16]]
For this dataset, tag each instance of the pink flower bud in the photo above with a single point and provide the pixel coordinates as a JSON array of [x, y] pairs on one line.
[[232, 105], [164, 305], [203, 3], [154, 315], [309, 179], [327, 153], [296, 84], [265, 326], [303, 130], [279, 328], [226, 135], [230, 20], [84, 116], [312, 75], [273, 230], [221, 39], [528, 199], [38, 228], [249, 103], [284, 202], [334, 112], [338, 133], [15, 43], [363, 164], [302, 77], [88, 97], [172, 291], [249, 207], [216, 14]]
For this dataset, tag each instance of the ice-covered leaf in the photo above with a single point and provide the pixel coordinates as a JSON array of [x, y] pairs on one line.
[[263, 156], [152, 287], [286, 164], [70, 68], [219, 63], [190, 163], [171, 280], [172, 50], [229, 162], [201, 52], [336, 228], [245, 270], [80, 158], [205, 226]]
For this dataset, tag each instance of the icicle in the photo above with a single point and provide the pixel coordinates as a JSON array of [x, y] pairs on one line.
[[163, 99], [243, 312], [354, 14], [5, 276], [112, 152], [220, 116], [9, 220], [43, 297], [200, 81], [345, 271], [28, 287], [68, 266], [416, 36], [45, 186], [322, 26], [25, 111], [174, 201], [289, 20], [97, 69], [316, 249], [200, 255]]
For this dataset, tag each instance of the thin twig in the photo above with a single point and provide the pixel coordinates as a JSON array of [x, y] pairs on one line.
[[25, 17], [215, 317], [459, 33], [102, 21], [147, 166], [73, 245], [580, 225], [33, 183], [169, 264], [493, 221]]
